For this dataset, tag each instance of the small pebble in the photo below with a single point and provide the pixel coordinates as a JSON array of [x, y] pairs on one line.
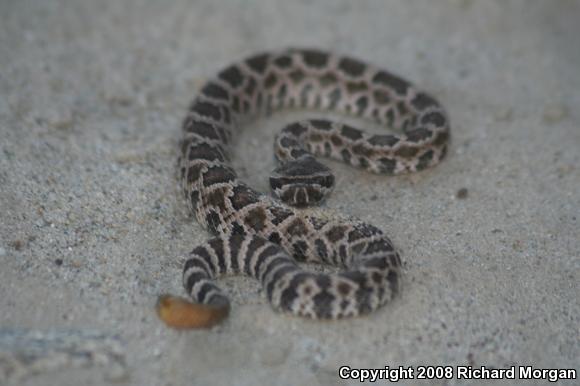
[[503, 114], [470, 359], [555, 113], [461, 193], [118, 373], [274, 355], [17, 244], [58, 262]]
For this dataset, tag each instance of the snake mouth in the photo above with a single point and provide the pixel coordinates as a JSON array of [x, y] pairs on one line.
[[303, 195], [322, 180]]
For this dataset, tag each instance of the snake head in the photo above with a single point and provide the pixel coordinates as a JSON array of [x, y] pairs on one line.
[[302, 182]]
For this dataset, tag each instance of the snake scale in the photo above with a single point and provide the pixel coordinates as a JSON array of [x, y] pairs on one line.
[[265, 237]]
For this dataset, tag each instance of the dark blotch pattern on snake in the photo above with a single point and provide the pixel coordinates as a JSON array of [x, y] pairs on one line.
[[263, 237]]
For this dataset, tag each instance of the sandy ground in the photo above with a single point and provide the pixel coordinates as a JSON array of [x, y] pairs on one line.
[[92, 230]]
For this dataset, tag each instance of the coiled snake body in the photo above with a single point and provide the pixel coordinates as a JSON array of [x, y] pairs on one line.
[[263, 237]]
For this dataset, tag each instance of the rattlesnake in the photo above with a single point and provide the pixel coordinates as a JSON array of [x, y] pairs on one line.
[[259, 235]]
